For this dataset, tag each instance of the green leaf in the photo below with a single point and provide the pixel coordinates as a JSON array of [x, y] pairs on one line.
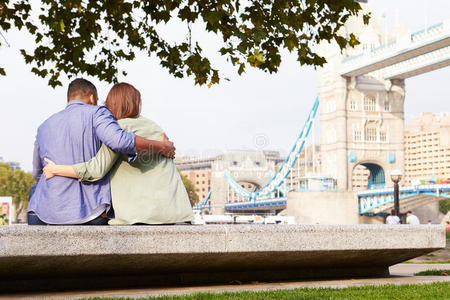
[[259, 35], [241, 69], [366, 18], [342, 42], [212, 17], [353, 41]]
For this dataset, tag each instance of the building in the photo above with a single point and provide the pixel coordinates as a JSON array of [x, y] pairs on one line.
[[200, 171], [427, 148], [13, 164], [304, 168]]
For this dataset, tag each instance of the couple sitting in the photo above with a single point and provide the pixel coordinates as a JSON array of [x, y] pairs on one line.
[[92, 163]]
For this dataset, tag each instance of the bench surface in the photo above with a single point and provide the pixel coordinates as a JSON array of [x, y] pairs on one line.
[[158, 255]]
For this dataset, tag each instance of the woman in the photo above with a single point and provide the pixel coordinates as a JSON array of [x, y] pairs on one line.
[[148, 190], [393, 219]]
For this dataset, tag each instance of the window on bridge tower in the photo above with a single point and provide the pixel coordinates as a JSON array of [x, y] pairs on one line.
[[371, 134], [353, 105], [387, 106], [357, 135], [370, 103], [383, 136]]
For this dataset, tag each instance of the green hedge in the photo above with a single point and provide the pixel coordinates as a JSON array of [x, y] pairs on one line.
[[444, 205]]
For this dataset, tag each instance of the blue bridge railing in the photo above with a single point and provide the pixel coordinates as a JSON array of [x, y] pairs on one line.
[[372, 199]]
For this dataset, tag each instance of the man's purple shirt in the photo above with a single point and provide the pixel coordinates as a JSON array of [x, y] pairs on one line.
[[72, 136]]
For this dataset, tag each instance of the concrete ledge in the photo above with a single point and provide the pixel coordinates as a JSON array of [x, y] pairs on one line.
[[61, 257]]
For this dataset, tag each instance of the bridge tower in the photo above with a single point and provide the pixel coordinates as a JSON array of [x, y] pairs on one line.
[[243, 166], [361, 117]]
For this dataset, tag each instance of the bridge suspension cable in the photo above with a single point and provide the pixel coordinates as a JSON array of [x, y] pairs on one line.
[[204, 203], [276, 183]]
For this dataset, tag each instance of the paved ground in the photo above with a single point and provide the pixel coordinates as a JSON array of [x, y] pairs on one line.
[[401, 274], [410, 269], [439, 255]]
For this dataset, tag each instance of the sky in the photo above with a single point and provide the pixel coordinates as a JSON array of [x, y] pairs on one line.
[[204, 121]]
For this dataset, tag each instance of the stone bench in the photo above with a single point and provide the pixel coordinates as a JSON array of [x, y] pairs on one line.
[[87, 257]]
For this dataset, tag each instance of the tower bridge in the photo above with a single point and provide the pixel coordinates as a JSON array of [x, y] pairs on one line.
[[361, 92]]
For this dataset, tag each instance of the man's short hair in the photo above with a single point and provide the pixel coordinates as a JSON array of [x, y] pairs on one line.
[[409, 212], [81, 88]]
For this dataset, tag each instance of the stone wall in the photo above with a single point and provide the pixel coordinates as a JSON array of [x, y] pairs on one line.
[[323, 207]]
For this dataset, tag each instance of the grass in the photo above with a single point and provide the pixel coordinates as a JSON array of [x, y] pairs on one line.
[[447, 235], [438, 290], [433, 273], [427, 262]]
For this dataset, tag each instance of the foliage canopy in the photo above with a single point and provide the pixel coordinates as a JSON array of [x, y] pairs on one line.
[[75, 37]]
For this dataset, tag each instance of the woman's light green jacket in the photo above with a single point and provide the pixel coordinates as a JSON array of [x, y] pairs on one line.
[[148, 190]]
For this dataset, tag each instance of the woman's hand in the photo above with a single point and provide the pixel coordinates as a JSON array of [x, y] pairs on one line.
[[52, 170], [49, 169], [163, 137]]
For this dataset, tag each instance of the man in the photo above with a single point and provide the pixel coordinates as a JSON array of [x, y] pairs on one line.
[[412, 219], [74, 135], [393, 219]]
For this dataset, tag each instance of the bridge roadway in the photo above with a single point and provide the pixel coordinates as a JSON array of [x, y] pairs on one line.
[[403, 54], [370, 202], [418, 65], [260, 204], [99, 257]]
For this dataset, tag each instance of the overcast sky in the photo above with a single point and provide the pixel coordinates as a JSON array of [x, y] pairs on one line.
[[205, 121]]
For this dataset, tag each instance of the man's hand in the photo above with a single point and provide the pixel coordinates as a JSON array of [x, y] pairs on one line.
[[163, 146], [49, 170], [168, 149]]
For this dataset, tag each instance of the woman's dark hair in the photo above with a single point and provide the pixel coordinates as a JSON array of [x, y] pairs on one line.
[[124, 101]]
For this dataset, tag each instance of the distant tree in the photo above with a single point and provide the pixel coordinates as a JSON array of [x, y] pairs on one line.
[[190, 188], [75, 37], [16, 184]]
